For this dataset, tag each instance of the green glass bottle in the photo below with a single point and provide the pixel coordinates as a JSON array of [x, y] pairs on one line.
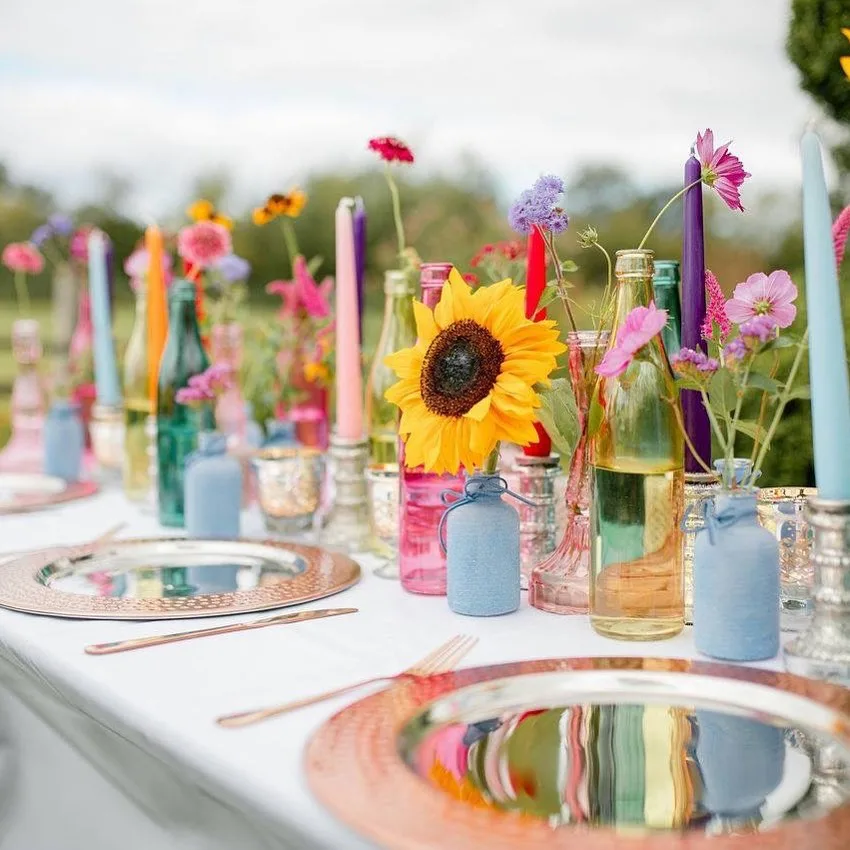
[[637, 469], [398, 331], [665, 285], [177, 426]]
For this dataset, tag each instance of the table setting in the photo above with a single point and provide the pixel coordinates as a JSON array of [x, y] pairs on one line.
[[510, 582]]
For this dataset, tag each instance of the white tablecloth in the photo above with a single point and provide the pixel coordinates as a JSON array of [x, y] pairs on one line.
[[140, 762]]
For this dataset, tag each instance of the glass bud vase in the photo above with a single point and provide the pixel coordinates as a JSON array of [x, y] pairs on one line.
[[397, 331], [137, 406], [560, 583], [637, 476], [81, 362], [226, 347], [24, 452]]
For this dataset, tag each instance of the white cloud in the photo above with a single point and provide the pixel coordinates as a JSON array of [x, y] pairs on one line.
[[160, 90]]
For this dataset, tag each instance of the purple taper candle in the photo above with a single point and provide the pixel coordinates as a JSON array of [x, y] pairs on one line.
[[693, 313], [360, 254]]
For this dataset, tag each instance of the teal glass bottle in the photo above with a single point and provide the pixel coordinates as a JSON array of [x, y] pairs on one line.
[[178, 425], [665, 289]]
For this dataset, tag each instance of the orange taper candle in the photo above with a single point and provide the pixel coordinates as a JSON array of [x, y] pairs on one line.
[[157, 309]]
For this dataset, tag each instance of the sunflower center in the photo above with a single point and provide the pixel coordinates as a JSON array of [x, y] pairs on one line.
[[461, 367]]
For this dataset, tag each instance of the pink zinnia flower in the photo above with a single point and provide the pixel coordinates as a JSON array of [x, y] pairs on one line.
[[204, 243], [391, 149], [721, 170], [840, 232], [641, 325], [22, 257], [716, 311], [763, 295]]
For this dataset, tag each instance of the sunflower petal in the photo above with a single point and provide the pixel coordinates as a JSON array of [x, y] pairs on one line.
[[426, 327]]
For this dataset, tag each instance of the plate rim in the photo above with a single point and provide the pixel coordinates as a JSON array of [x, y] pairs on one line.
[[72, 492], [388, 803], [326, 573]]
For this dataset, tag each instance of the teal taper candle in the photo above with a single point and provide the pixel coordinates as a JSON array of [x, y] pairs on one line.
[[105, 367], [827, 354]]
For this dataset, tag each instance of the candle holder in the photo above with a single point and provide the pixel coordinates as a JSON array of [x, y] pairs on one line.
[[535, 479], [107, 439], [823, 650], [289, 484], [347, 526]]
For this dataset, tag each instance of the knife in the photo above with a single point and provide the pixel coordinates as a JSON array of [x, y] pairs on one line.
[[157, 640]]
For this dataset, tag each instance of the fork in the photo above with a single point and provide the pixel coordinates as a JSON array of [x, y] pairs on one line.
[[444, 658]]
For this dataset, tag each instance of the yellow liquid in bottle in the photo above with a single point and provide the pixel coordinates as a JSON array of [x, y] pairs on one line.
[[136, 460]]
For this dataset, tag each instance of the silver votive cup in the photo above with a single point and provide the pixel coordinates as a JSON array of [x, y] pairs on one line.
[[782, 511], [700, 487], [382, 486], [107, 441], [822, 651], [536, 479], [347, 525], [289, 487]]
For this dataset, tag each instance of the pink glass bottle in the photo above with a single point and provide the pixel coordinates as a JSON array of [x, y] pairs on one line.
[[25, 450], [422, 564], [81, 363]]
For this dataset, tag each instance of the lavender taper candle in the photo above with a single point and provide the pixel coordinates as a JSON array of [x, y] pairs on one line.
[[693, 312], [360, 255]]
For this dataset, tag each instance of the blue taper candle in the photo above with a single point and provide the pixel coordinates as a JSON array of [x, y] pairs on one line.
[[105, 368], [827, 354]]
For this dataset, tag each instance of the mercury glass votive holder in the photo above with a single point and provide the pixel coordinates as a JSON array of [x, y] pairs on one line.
[[382, 487], [699, 488], [781, 510], [107, 439], [535, 479], [289, 487]]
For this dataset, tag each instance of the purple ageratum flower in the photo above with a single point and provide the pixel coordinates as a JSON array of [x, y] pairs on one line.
[[692, 363], [41, 234], [233, 268], [735, 351], [759, 329], [61, 224], [538, 207]]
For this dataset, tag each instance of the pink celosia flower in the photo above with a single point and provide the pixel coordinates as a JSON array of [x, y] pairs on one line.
[[191, 396], [79, 244], [206, 386], [203, 243], [136, 267], [303, 292], [840, 232], [721, 170], [22, 257], [716, 310], [641, 325], [763, 295]]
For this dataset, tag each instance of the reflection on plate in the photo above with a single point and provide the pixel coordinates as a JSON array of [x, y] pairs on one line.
[[167, 578], [28, 492], [644, 752]]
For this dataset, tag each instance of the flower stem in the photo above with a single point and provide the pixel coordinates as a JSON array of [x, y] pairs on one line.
[[291, 243], [762, 407], [677, 412], [399, 224], [664, 210], [783, 400], [549, 241], [22, 293], [491, 465], [715, 425]]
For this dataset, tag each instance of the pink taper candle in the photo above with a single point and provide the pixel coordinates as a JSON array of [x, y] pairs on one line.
[[349, 381]]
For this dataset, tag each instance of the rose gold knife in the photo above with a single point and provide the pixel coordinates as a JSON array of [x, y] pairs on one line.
[[157, 640]]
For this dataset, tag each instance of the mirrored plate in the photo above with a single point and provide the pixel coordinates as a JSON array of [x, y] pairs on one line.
[[596, 753], [21, 492], [165, 578]]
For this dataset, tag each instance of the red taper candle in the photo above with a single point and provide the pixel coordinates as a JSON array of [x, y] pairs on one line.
[[535, 284]]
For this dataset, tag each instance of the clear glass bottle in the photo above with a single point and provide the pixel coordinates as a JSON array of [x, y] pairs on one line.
[[137, 405], [637, 474], [227, 347], [398, 331], [177, 424], [422, 564]]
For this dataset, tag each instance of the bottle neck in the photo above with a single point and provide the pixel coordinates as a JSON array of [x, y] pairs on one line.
[[184, 320], [631, 293], [431, 293]]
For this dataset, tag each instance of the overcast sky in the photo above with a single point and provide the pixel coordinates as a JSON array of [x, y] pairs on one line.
[[160, 90]]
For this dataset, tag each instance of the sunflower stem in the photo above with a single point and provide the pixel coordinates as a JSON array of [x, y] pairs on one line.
[[664, 210], [396, 202], [491, 465]]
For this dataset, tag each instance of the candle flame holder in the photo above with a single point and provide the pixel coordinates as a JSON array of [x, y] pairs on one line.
[[107, 439], [289, 483], [347, 525], [823, 650]]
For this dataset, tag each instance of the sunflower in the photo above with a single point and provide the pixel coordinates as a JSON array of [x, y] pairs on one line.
[[468, 383], [204, 210]]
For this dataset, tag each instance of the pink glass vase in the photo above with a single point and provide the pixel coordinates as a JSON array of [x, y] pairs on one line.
[[421, 562], [81, 363], [25, 450], [561, 583]]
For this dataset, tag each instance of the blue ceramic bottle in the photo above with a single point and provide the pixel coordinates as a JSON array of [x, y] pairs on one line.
[[253, 431], [482, 543], [280, 433], [213, 489], [736, 582], [64, 440]]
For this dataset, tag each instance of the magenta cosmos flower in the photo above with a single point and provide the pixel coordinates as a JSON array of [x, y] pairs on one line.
[[204, 243], [641, 325], [23, 257], [721, 170], [764, 295]]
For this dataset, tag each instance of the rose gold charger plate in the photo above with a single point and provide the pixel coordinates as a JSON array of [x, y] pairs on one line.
[[165, 578], [23, 492], [592, 753]]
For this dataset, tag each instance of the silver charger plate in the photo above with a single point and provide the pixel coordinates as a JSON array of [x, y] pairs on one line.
[[168, 578]]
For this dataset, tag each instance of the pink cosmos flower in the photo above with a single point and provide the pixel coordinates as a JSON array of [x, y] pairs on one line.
[[840, 232], [721, 170], [716, 311], [203, 243], [303, 292], [22, 257], [763, 295], [641, 325]]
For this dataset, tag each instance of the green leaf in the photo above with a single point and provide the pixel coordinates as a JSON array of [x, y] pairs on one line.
[[549, 295], [800, 392], [568, 267], [314, 264], [751, 428], [688, 384], [722, 392], [559, 416], [758, 381], [565, 283], [780, 342]]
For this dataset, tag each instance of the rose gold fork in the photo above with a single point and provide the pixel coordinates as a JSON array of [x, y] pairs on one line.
[[444, 658]]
